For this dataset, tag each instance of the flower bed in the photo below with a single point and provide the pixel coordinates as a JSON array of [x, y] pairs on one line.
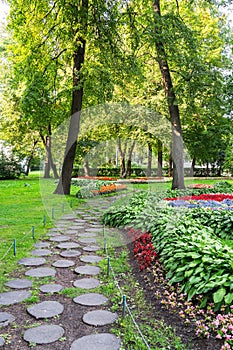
[[210, 200], [144, 251], [108, 189]]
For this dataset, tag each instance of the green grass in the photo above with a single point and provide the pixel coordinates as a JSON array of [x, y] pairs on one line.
[[25, 203]]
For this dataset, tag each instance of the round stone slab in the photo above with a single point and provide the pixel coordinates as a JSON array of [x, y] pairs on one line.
[[59, 238], [87, 240], [5, 319], [51, 288], [87, 270], [41, 245], [70, 253], [71, 232], [46, 309], [86, 283], [32, 261], [41, 272], [41, 252], [63, 263], [92, 248], [93, 229], [87, 235], [102, 341], [91, 258], [99, 317], [68, 245], [2, 341], [43, 334], [10, 298], [19, 284], [90, 299]]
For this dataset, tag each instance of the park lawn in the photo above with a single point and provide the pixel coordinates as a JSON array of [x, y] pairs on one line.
[[26, 203], [163, 186]]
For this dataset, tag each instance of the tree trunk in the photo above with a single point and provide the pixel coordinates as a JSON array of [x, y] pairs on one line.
[[129, 160], [47, 158], [207, 169], [192, 169], [170, 165], [122, 158], [30, 158], [64, 184], [160, 159], [177, 140], [149, 162], [86, 167]]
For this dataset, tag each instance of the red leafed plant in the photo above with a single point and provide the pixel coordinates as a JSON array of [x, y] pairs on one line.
[[143, 250]]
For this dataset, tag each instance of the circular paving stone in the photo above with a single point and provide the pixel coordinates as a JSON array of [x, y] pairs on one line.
[[41, 245], [86, 283], [32, 261], [90, 299], [69, 217], [92, 248], [46, 309], [87, 240], [59, 238], [41, 252], [10, 298], [63, 263], [99, 317], [68, 245], [87, 235], [93, 229], [70, 253], [102, 341], [91, 258], [71, 232], [43, 334], [51, 288], [87, 270], [19, 284], [5, 319], [41, 272], [2, 341]]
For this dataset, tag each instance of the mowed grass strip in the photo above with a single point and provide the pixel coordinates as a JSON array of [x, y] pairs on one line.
[[25, 203]]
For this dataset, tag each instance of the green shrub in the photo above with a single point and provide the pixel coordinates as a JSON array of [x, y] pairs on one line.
[[9, 168]]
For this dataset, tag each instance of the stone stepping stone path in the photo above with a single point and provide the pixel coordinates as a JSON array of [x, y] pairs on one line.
[[63, 263], [46, 309], [51, 288], [42, 245], [68, 245], [87, 235], [43, 334], [2, 341], [91, 258], [41, 272], [92, 248], [87, 240], [87, 270], [71, 241], [19, 284], [10, 298], [32, 261], [91, 299], [5, 319], [59, 238], [86, 283], [102, 341], [70, 253], [99, 318], [41, 252]]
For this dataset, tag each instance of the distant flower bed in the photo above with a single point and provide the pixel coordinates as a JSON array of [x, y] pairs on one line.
[[210, 200], [103, 178], [200, 186], [108, 189]]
